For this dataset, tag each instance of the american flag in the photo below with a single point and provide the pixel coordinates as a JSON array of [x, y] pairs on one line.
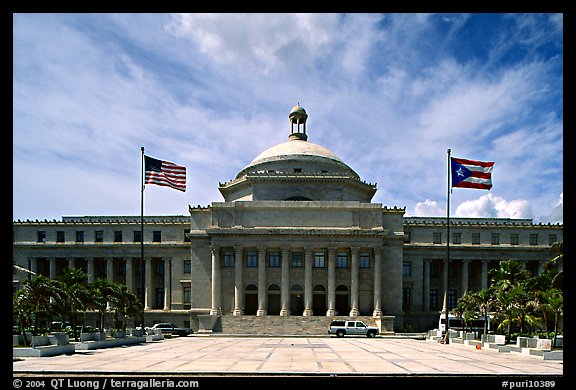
[[165, 173]]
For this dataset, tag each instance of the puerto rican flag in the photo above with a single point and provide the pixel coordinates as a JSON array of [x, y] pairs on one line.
[[471, 173]]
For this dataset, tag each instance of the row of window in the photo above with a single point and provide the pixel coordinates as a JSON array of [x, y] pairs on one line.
[[99, 236], [297, 260], [451, 299], [494, 238], [157, 237]]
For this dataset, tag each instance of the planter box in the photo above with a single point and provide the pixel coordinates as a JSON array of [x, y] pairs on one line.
[[96, 336], [51, 345], [46, 350], [110, 343]]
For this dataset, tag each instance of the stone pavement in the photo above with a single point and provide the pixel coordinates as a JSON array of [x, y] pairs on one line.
[[328, 356]]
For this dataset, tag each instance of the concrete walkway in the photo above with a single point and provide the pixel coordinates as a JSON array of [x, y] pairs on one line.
[[238, 356]]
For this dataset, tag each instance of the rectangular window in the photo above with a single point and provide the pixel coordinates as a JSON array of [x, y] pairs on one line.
[[187, 266], [41, 236], [405, 298], [437, 238], [160, 267], [433, 299], [452, 298], [297, 260], [342, 260], [137, 236], [186, 238], [364, 260], [157, 236], [274, 260], [495, 239], [122, 269], [552, 238], [514, 239], [118, 236], [406, 237], [159, 298], [452, 270], [456, 238], [98, 236], [533, 239], [79, 236], [433, 270], [60, 236], [186, 295], [319, 260], [475, 238], [406, 268], [251, 260], [228, 259]]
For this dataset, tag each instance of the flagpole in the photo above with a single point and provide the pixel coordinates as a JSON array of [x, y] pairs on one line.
[[142, 277], [447, 271]]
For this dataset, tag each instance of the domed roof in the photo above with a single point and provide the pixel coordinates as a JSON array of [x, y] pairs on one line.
[[298, 153], [294, 147]]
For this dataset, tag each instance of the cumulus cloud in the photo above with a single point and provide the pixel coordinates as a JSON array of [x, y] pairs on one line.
[[557, 213], [428, 208], [491, 206]]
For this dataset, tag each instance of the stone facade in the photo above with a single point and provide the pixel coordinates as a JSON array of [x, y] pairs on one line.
[[296, 235]]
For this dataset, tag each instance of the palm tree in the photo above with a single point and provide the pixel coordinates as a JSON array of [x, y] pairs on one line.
[[508, 302], [32, 300], [555, 303], [73, 285], [483, 301], [557, 263], [102, 293], [508, 274], [125, 304]]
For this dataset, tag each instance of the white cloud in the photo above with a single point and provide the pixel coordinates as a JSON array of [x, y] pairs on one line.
[[428, 208], [491, 206], [556, 215]]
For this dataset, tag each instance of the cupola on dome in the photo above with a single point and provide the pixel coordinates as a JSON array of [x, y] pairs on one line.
[[297, 170]]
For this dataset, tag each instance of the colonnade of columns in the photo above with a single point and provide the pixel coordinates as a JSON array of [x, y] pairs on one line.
[[285, 281]]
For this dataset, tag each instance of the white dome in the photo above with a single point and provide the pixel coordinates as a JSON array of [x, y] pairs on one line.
[[294, 148]]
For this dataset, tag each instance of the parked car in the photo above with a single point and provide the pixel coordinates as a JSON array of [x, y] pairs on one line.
[[169, 328], [342, 328]]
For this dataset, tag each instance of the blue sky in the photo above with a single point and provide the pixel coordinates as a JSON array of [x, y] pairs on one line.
[[387, 93]]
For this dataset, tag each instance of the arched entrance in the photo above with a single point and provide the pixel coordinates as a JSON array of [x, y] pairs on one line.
[[296, 300], [319, 300], [250, 299], [342, 307], [273, 300]]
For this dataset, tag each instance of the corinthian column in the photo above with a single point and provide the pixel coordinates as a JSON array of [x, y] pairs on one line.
[[238, 283], [308, 252], [354, 282], [377, 283], [331, 282], [215, 309], [284, 288], [261, 281]]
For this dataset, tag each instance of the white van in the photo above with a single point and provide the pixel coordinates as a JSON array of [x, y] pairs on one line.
[[456, 323]]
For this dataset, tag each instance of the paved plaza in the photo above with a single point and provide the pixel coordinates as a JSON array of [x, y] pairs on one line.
[[329, 356]]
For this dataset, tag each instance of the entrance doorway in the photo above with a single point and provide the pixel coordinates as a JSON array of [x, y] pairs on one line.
[[251, 300], [296, 300], [342, 307], [273, 300], [319, 300]]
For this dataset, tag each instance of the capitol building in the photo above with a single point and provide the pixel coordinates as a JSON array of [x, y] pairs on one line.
[[296, 235]]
